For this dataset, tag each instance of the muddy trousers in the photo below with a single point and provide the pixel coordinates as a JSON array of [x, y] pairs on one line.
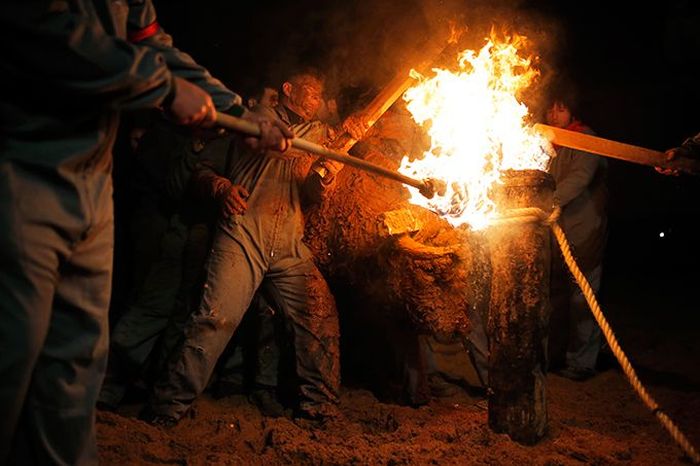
[[257, 345], [56, 253], [138, 338], [235, 270]]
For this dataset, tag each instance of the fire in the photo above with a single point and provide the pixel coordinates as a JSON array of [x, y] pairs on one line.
[[477, 128]]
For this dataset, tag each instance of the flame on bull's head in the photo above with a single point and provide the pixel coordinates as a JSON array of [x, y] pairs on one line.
[[477, 128]]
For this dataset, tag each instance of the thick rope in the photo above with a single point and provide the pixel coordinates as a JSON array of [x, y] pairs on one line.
[[534, 214]]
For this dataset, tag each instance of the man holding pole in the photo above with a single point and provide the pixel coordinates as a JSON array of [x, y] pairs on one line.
[[69, 71], [259, 236], [582, 194]]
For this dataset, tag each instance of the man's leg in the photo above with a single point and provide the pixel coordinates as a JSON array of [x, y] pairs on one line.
[[313, 320], [138, 331], [60, 408], [586, 337], [57, 423], [266, 336], [194, 256], [241, 366], [233, 275], [29, 254]]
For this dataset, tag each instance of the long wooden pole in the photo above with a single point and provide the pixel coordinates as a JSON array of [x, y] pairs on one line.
[[374, 110], [391, 93], [616, 150], [426, 187]]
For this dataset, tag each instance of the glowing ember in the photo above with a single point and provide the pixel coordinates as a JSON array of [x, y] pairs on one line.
[[477, 129]]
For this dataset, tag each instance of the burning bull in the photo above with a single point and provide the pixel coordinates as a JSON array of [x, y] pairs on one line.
[[397, 270]]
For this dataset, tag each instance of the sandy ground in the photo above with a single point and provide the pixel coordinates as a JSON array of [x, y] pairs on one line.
[[596, 422], [600, 421]]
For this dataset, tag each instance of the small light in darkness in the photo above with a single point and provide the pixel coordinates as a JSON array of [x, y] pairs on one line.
[[662, 234]]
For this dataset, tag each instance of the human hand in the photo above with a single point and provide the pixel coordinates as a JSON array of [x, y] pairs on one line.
[[327, 169], [274, 133], [191, 105], [670, 155], [355, 126], [232, 200], [332, 166]]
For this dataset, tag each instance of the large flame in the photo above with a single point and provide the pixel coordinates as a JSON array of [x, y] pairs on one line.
[[477, 128]]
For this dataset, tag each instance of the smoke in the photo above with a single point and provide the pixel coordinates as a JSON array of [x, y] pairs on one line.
[[359, 44], [365, 43]]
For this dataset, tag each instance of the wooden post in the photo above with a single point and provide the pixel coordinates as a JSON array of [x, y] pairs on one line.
[[518, 315]]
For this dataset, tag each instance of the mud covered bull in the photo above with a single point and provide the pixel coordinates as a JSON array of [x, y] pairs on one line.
[[396, 270]]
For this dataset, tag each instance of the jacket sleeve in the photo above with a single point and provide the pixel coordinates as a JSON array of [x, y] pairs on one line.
[[143, 29], [580, 175], [62, 47], [691, 147]]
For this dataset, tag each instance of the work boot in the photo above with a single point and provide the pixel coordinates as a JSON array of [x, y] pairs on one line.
[[265, 399]]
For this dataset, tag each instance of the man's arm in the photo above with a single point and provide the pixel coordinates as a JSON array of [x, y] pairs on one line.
[[144, 30], [209, 182], [581, 173], [62, 47]]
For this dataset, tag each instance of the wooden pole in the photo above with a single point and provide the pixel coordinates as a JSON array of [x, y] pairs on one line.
[[248, 127], [374, 110], [616, 150], [391, 92], [518, 314]]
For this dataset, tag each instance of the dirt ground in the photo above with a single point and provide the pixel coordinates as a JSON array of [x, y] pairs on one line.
[[595, 422], [600, 421]]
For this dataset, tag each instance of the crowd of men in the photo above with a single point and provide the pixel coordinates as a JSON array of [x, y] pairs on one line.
[[217, 230]]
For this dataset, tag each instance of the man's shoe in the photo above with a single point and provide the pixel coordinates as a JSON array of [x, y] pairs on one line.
[[159, 420], [441, 388], [320, 413], [163, 420], [578, 374], [266, 401], [226, 388], [104, 406]]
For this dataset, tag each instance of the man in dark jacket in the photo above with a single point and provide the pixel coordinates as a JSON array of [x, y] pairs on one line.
[[69, 71]]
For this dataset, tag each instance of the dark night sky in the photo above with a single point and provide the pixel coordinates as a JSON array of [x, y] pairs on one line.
[[637, 68]]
